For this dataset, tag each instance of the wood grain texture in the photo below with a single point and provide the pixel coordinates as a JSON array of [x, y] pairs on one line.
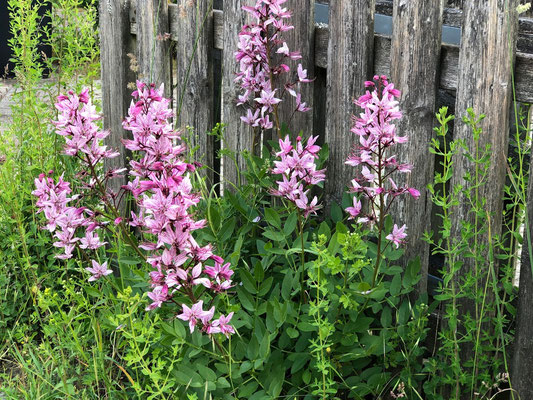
[[450, 53], [153, 51], [522, 356], [350, 51], [238, 136], [301, 38], [194, 83], [115, 43], [415, 53], [484, 84]]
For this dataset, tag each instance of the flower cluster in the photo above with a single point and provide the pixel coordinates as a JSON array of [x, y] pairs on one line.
[[377, 134], [64, 220], [164, 194], [298, 171], [262, 56], [76, 122]]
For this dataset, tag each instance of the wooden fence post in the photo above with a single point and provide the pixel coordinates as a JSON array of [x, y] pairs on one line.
[[153, 49], [522, 357], [195, 87], [415, 53], [238, 136], [484, 84], [116, 42], [350, 52]]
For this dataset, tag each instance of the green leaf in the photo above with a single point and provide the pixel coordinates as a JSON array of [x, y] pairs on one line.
[[292, 333], [227, 230], [324, 230], [179, 329], [245, 391], [276, 236], [272, 217], [264, 347], [286, 285], [403, 313], [248, 281], [252, 350], [259, 272], [129, 261], [299, 362], [395, 285], [341, 228], [386, 317], [336, 212], [93, 292], [265, 286], [245, 298], [306, 327], [290, 224], [412, 273]]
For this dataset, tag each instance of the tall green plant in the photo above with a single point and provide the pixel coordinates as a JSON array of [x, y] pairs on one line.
[[484, 331]]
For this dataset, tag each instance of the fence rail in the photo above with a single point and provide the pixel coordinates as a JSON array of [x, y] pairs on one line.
[[342, 55]]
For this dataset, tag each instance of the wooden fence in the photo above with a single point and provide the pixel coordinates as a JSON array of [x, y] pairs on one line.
[[198, 60]]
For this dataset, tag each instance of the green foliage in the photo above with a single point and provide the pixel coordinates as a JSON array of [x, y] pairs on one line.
[[28, 146], [476, 299], [73, 38], [321, 309]]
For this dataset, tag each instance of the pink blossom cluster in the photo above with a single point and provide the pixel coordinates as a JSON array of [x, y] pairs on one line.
[[377, 135], [64, 220], [164, 194], [76, 122], [262, 55], [298, 172]]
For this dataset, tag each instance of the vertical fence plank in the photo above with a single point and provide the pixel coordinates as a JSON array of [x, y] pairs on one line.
[[153, 51], [350, 49], [301, 38], [415, 52], [195, 88], [522, 357], [116, 42], [238, 136], [484, 84]]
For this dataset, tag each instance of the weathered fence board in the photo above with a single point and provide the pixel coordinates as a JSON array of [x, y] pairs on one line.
[[350, 52], [238, 136], [484, 84], [153, 50], [194, 76], [115, 44], [522, 356], [382, 48], [300, 38], [414, 68]]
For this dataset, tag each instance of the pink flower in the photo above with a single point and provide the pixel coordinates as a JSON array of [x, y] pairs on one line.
[[261, 42], [376, 133], [413, 192], [355, 210], [98, 270], [221, 325], [298, 170], [397, 235], [195, 314], [158, 296], [91, 241], [302, 74], [165, 199]]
